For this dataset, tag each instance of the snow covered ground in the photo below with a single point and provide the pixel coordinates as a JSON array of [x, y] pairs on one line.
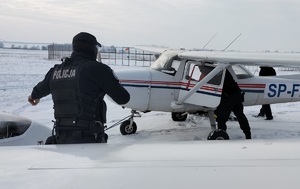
[[21, 70]]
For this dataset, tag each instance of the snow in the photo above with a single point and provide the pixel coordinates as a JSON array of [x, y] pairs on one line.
[[162, 154]]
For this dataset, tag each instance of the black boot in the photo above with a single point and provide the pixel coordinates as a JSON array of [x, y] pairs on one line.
[[269, 118], [248, 135], [51, 140]]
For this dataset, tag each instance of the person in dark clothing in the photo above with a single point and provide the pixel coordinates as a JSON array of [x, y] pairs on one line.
[[232, 101], [78, 86], [266, 108]]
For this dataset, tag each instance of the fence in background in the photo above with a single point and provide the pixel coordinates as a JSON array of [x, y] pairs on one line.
[[124, 56], [58, 51]]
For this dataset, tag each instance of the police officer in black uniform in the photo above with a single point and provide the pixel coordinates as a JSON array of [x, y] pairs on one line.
[[266, 108], [232, 101], [78, 86]]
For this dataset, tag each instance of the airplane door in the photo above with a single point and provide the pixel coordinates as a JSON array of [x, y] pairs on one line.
[[164, 85], [209, 94]]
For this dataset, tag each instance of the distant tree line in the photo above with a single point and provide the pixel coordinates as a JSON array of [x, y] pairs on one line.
[[26, 47], [33, 47]]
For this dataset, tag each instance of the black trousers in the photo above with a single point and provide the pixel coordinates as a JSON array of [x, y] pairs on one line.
[[266, 111], [232, 103]]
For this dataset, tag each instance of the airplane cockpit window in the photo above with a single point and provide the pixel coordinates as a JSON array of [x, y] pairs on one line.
[[167, 62], [197, 71], [160, 63], [173, 67], [11, 128], [241, 72]]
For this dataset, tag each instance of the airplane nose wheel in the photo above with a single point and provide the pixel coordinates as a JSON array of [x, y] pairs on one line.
[[218, 134], [128, 128], [179, 116]]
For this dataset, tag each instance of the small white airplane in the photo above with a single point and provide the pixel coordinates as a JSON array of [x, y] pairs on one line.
[[175, 83]]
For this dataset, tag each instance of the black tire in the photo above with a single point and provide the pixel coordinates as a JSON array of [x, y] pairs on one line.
[[179, 116], [126, 129], [50, 140], [218, 134]]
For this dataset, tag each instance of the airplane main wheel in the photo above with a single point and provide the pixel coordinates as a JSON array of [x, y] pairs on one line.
[[126, 129], [218, 134], [179, 116]]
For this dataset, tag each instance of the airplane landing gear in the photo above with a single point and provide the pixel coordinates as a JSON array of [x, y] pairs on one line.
[[128, 126], [218, 134], [179, 116]]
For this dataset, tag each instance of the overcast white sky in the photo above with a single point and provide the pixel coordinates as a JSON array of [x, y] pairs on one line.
[[264, 25]]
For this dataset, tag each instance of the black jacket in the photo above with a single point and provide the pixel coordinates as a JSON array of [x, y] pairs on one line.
[[96, 79], [230, 86]]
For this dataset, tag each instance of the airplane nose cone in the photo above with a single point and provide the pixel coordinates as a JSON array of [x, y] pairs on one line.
[[137, 83]]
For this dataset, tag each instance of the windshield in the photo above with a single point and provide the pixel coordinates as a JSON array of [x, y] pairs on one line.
[[164, 62], [11, 126]]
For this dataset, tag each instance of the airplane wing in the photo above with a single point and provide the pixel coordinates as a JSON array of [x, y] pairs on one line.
[[259, 59], [190, 164]]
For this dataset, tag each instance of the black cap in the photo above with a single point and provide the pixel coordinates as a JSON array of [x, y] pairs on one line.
[[85, 38]]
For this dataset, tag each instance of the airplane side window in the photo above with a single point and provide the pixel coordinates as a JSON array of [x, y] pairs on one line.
[[196, 72], [240, 72], [193, 72], [205, 70], [176, 64], [216, 80]]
